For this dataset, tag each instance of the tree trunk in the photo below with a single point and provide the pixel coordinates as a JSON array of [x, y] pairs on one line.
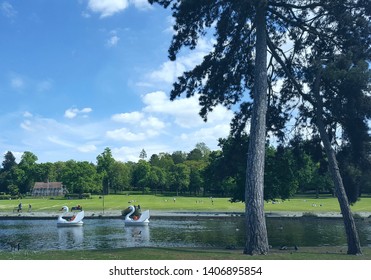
[[256, 231], [354, 246]]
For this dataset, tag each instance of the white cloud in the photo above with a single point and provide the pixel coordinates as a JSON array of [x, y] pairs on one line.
[[17, 83], [113, 41], [153, 123], [27, 125], [144, 84], [139, 118], [161, 126], [85, 14], [56, 140], [219, 114], [208, 134], [70, 113], [133, 117], [171, 22], [123, 134], [84, 148], [73, 112], [126, 153], [146, 129], [141, 4], [184, 110], [131, 153], [45, 85], [88, 148], [7, 9], [60, 140], [27, 114], [22, 82], [86, 110], [169, 71], [107, 8]]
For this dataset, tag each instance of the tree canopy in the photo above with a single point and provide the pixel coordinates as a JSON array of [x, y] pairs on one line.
[[236, 71]]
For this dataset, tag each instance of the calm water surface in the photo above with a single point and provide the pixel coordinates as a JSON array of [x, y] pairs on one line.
[[212, 232]]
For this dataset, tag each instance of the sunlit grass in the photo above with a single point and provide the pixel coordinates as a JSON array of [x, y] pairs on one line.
[[120, 202], [167, 203], [312, 204]]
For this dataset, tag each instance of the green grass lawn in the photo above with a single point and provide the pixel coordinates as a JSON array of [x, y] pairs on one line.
[[321, 204], [304, 253], [120, 202], [166, 203]]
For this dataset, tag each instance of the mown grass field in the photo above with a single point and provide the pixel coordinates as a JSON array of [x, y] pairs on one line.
[[120, 202], [166, 203]]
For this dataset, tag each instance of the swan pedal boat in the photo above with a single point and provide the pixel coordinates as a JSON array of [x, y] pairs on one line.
[[143, 220], [76, 221]]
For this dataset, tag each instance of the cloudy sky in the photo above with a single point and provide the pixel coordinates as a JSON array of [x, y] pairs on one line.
[[78, 76]]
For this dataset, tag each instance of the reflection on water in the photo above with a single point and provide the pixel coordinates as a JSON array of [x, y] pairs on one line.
[[211, 232], [70, 237]]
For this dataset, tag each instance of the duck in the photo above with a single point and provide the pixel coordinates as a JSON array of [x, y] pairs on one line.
[[14, 244]]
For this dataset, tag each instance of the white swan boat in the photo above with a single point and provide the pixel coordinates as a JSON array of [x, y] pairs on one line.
[[143, 219], [75, 220]]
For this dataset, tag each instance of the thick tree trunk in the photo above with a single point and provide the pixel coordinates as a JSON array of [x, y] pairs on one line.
[[256, 231], [354, 246]]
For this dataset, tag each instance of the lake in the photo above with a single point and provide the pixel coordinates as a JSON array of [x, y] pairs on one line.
[[219, 232]]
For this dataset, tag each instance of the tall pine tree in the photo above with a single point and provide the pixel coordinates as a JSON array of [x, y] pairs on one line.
[[236, 71]]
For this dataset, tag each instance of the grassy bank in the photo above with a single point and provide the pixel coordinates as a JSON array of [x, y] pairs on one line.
[[167, 203], [305, 253], [120, 202]]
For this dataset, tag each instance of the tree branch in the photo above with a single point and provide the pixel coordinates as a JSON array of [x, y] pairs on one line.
[[293, 6], [287, 71], [301, 25]]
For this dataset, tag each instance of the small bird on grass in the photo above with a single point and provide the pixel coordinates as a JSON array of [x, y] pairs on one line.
[[14, 245]]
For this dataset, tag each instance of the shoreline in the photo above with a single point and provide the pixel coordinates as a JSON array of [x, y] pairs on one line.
[[159, 214]]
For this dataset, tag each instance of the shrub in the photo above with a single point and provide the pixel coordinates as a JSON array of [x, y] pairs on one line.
[[78, 196], [4, 196]]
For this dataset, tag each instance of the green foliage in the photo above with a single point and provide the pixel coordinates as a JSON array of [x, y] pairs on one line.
[[9, 161], [78, 196], [105, 163], [5, 196], [13, 190], [280, 180], [143, 154], [297, 167]]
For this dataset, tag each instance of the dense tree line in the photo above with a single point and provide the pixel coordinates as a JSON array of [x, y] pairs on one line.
[[299, 166]]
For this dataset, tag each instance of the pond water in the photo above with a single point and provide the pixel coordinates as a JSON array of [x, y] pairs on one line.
[[178, 232]]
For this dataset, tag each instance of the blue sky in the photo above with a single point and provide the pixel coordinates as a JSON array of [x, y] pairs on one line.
[[78, 76]]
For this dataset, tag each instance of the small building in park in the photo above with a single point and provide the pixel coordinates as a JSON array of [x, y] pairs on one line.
[[48, 189]]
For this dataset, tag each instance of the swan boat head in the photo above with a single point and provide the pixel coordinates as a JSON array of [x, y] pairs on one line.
[[76, 220], [65, 209], [142, 220]]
